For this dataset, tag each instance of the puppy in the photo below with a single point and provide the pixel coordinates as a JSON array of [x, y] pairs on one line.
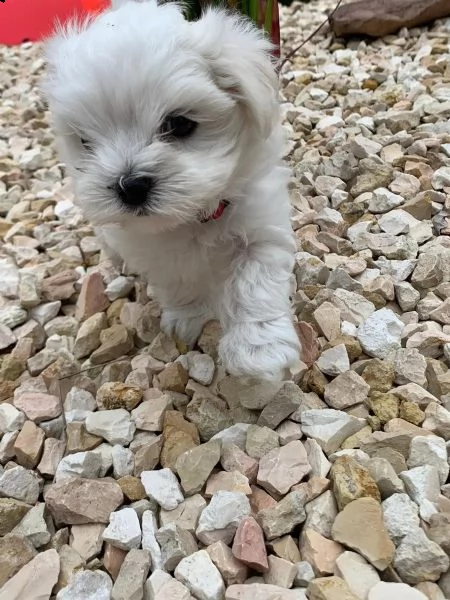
[[171, 132]]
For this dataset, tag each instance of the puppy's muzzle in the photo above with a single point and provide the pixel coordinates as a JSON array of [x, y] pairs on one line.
[[133, 190]]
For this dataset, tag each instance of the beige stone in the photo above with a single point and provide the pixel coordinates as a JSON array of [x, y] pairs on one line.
[[330, 588], [319, 551], [232, 570], [231, 481], [365, 515], [352, 481], [35, 580], [77, 501], [29, 445]]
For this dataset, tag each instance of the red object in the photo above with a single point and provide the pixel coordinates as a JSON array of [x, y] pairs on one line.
[[217, 213], [33, 20]]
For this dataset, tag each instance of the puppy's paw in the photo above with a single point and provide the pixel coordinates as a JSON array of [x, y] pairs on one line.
[[263, 349], [186, 322]]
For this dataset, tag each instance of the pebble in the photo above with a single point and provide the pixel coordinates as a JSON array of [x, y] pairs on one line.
[[320, 552], [346, 390], [352, 481], [199, 574], [431, 451], [114, 426], [124, 530], [87, 540], [232, 570], [11, 419], [20, 484], [283, 467], [162, 486], [334, 361], [161, 586], [330, 427], [175, 543], [220, 519], [33, 526], [186, 514], [401, 516], [282, 517], [376, 546], [260, 591], [129, 584], [260, 441], [77, 501], [35, 580], [195, 466], [286, 401], [417, 558], [328, 588], [116, 395], [357, 573], [149, 541], [392, 591], [248, 545], [38, 406], [80, 464], [87, 585], [381, 333]]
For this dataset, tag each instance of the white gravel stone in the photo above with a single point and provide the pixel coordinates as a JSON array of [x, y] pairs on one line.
[[220, 519], [123, 461], [11, 419], [162, 486], [33, 526], [330, 427], [394, 591], [401, 516], [384, 200], [429, 450], [320, 465], [87, 585], [80, 464], [201, 368], [79, 399], [198, 573], [19, 483], [124, 530], [236, 434], [115, 426], [119, 287], [418, 559], [358, 574], [161, 586], [381, 333], [149, 541], [422, 483], [334, 361]]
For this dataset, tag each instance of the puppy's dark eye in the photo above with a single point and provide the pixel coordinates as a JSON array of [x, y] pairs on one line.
[[86, 144], [177, 126]]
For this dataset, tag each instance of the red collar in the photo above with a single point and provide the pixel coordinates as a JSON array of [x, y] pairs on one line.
[[215, 216]]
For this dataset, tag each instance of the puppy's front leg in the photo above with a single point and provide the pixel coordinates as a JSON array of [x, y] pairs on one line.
[[259, 336]]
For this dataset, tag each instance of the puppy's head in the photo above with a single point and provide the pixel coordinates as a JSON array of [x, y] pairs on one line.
[[159, 118]]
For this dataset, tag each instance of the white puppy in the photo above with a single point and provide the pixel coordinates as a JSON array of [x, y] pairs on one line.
[[172, 134]]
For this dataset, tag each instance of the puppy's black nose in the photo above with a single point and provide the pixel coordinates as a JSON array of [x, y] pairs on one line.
[[133, 190]]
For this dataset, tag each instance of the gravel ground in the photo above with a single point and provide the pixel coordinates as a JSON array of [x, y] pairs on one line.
[[131, 469]]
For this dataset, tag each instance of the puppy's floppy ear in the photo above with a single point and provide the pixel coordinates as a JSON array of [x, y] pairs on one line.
[[239, 57]]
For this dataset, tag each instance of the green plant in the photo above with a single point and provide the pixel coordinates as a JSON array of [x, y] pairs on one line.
[[263, 12]]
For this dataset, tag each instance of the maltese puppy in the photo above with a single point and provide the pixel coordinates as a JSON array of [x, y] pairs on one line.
[[172, 134]]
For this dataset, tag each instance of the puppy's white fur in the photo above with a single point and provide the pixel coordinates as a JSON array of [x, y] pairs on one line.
[[112, 80]]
